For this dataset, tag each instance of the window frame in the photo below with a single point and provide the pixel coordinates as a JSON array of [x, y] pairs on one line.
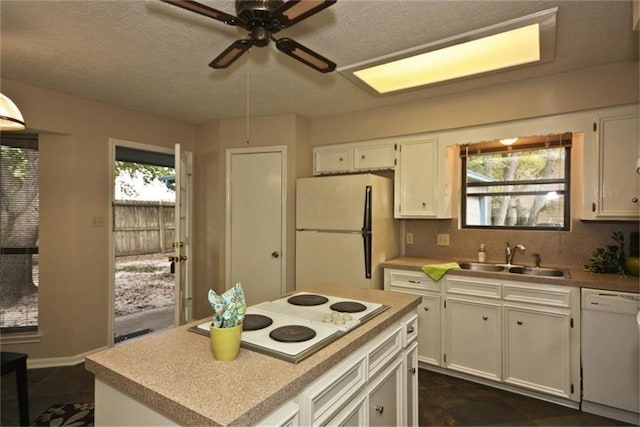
[[23, 141], [494, 147]]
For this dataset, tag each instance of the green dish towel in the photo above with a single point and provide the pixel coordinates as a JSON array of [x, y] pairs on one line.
[[436, 271]]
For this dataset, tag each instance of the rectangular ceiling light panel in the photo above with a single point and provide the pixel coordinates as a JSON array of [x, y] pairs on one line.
[[515, 43]]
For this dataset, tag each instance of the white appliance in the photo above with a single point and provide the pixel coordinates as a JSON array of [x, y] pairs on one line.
[[344, 230], [325, 318], [610, 358]]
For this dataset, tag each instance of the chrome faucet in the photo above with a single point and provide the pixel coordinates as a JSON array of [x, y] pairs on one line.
[[510, 253]]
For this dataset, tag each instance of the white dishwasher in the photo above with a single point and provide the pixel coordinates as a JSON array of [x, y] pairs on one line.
[[610, 361]]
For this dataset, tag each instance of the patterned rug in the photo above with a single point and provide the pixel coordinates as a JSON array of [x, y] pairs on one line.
[[67, 414]]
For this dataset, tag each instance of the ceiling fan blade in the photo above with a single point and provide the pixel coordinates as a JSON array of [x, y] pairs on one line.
[[210, 12], [295, 11], [305, 55], [230, 54]]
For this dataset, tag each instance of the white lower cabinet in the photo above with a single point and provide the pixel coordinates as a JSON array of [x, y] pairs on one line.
[[417, 283], [473, 337], [385, 397], [525, 336], [537, 351], [368, 387], [411, 384]]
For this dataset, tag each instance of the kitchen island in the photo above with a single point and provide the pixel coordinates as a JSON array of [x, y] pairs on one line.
[[171, 376]]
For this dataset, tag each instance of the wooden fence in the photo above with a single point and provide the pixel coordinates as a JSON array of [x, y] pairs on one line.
[[143, 227]]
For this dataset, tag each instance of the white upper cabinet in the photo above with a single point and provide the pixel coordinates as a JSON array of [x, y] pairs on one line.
[[375, 156], [416, 179], [354, 157], [334, 159], [611, 181]]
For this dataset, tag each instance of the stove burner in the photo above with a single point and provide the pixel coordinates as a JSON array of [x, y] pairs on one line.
[[292, 333], [254, 322], [348, 307], [307, 299]]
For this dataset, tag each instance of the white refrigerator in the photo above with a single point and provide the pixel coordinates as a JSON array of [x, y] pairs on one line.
[[344, 230]]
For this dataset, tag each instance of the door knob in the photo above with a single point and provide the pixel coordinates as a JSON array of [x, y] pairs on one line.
[[275, 254]]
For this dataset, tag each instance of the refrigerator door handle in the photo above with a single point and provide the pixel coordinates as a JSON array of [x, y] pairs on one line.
[[366, 238], [366, 231]]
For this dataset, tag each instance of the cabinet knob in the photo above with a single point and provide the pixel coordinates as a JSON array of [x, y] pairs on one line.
[[519, 322], [379, 409], [484, 317], [412, 370], [426, 309], [634, 200], [362, 157], [410, 329], [424, 204]]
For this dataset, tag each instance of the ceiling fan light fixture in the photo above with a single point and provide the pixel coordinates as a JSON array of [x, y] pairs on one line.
[[10, 116], [526, 40]]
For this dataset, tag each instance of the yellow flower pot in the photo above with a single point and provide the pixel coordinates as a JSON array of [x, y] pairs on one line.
[[225, 342]]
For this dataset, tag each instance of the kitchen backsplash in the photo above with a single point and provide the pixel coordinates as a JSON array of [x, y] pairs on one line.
[[555, 247]]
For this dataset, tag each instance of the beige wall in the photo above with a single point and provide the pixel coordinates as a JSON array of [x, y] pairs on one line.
[[213, 142], [75, 180], [609, 85]]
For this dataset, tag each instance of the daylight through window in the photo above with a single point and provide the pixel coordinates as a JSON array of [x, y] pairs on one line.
[[19, 222], [520, 186]]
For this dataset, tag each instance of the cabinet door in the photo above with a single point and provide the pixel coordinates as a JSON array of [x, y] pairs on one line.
[[379, 156], [473, 337], [332, 160], [386, 396], [618, 189], [537, 349], [411, 385], [429, 329], [416, 179]]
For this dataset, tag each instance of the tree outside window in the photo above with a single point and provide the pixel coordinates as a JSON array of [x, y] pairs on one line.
[[19, 220], [524, 186]]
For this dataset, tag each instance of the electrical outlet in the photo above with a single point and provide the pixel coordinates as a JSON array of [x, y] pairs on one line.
[[443, 240], [409, 238]]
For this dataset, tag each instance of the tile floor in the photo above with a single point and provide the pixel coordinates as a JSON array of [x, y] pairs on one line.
[[444, 401]]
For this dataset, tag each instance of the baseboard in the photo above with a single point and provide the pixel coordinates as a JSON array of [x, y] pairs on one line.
[[53, 362], [609, 412]]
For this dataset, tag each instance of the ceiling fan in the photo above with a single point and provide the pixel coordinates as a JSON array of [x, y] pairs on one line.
[[262, 19]]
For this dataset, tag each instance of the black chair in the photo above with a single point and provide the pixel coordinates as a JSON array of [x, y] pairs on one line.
[[18, 362]]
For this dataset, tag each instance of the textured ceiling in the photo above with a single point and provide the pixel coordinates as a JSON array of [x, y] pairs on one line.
[[152, 57]]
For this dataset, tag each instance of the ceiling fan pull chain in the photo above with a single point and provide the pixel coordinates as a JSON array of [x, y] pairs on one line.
[[248, 96]]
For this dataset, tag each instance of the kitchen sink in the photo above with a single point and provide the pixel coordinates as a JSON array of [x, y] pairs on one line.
[[519, 269], [481, 267], [537, 271]]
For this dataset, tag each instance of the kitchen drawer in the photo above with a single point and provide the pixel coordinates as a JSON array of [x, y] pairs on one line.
[[407, 280], [474, 287], [389, 347], [558, 296], [322, 399], [409, 329]]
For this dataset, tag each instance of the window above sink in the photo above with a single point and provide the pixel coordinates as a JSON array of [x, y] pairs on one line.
[[522, 183]]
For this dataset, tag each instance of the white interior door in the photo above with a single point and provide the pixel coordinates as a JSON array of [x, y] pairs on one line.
[[256, 218], [182, 242]]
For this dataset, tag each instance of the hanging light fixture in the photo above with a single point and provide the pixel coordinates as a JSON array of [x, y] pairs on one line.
[[10, 116]]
